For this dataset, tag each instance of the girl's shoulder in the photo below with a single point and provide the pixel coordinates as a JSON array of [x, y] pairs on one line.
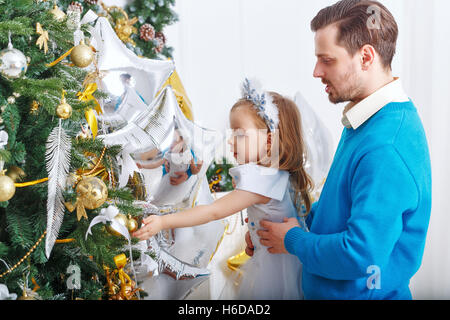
[[269, 182]]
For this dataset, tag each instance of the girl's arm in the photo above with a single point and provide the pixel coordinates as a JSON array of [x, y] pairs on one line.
[[152, 165], [232, 203]]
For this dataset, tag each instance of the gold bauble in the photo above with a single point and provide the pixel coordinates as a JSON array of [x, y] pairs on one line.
[[132, 225], [57, 13], [15, 173], [92, 192], [82, 55], [26, 297], [121, 219], [7, 188], [64, 110]]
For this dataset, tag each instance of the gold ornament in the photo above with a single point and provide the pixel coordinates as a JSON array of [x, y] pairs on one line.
[[15, 173], [123, 26], [7, 187], [128, 288], [92, 193], [57, 13], [42, 41], [82, 55], [121, 219], [235, 262], [34, 107], [132, 225], [64, 110]]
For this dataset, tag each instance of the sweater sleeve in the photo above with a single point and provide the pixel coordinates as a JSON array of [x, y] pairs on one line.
[[382, 191]]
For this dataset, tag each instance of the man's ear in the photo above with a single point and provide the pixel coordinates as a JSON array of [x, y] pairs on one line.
[[368, 55]]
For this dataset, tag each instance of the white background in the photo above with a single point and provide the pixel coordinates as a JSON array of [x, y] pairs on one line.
[[219, 42]]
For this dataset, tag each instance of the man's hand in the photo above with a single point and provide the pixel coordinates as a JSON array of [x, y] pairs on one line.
[[273, 236], [249, 249], [181, 177]]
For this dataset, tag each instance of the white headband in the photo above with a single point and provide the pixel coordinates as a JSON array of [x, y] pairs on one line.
[[263, 103]]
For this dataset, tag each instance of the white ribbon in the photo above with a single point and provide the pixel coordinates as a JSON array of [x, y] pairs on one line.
[[146, 263], [89, 17], [128, 167], [5, 295], [108, 215], [3, 143]]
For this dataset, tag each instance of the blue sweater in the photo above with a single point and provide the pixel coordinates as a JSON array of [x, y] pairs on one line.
[[368, 229]]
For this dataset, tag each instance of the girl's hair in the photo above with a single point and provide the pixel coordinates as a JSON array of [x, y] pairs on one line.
[[291, 147]]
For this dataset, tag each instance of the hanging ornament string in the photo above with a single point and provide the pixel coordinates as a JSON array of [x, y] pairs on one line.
[[91, 172], [25, 256]]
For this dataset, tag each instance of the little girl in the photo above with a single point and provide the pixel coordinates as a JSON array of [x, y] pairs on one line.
[[268, 146]]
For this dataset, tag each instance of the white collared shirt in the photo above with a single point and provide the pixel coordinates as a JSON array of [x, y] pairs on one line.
[[356, 114]]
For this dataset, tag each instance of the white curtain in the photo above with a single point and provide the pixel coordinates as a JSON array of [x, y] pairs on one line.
[[219, 42]]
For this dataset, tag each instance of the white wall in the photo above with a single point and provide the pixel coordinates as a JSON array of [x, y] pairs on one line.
[[219, 42]]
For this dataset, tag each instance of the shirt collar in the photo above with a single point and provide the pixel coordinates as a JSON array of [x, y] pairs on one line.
[[356, 114]]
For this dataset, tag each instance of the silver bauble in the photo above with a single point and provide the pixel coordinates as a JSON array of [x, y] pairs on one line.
[[13, 63]]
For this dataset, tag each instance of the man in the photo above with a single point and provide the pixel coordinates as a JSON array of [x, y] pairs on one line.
[[368, 230]]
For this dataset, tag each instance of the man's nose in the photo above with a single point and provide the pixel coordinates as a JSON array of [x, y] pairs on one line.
[[318, 73]]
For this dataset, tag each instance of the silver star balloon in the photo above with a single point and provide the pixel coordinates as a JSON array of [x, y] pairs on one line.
[[123, 70], [172, 151], [318, 141]]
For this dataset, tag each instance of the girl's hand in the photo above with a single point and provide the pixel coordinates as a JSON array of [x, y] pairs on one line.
[[196, 168], [150, 226], [139, 165]]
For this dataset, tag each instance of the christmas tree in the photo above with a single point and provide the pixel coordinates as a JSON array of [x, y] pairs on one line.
[[140, 25], [45, 138]]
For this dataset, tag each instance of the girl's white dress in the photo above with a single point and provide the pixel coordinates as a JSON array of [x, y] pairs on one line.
[[168, 194], [266, 276]]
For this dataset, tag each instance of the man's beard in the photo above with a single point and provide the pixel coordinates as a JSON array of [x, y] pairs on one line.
[[349, 93]]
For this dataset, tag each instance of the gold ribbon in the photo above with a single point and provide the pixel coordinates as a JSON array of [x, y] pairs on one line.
[[92, 121], [127, 290], [31, 183], [65, 240], [43, 39], [86, 95], [54, 63], [182, 98]]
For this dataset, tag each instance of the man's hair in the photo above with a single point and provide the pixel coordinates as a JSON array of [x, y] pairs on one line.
[[361, 22]]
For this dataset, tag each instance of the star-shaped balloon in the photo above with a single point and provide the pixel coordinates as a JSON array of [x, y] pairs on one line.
[[123, 69], [174, 149], [318, 141]]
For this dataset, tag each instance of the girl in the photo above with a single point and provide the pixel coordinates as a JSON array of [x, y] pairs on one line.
[[268, 146]]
